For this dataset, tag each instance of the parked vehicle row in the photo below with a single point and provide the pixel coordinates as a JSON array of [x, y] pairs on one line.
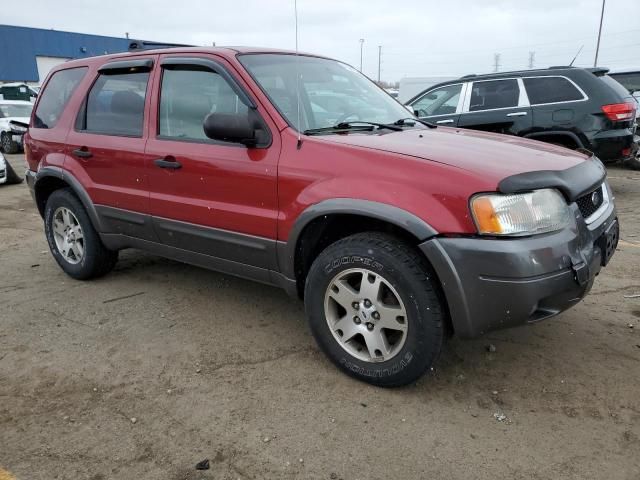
[[572, 107]]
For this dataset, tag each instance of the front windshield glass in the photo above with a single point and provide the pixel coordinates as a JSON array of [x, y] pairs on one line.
[[12, 110], [330, 92]]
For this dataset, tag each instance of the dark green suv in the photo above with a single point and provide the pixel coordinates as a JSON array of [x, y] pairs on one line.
[[573, 107]]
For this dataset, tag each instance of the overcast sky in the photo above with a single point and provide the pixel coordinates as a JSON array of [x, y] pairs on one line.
[[418, 37]]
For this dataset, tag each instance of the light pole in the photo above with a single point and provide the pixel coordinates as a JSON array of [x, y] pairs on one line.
[[595, 62], [361, 47]]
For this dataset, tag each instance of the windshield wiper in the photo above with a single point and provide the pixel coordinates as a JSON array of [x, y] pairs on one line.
[[357, 126], [407, 120]]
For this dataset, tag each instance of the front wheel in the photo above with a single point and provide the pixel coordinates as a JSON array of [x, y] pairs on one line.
[[374, 308]]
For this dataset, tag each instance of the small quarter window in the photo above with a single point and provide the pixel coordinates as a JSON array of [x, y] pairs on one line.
[[115, 104], [494, 94], [56, 95], [187, 96], [551, 90]]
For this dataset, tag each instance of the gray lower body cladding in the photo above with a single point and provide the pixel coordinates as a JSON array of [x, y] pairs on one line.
[[492, 283]]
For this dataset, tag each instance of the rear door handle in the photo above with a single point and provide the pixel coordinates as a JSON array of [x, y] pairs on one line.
[[168, 162], [516, 114], [82, 152], [441, 122]]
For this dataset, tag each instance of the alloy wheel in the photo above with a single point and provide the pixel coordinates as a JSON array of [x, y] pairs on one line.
[[366, 315], [68, 235]]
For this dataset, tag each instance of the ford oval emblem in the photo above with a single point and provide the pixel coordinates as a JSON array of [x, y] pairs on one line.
[[595, 197]]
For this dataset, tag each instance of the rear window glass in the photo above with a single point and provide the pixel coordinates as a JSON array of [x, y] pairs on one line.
[[494, 94], [615, 85], [115, 105], [551, 90], [56, 95], [630, 81]]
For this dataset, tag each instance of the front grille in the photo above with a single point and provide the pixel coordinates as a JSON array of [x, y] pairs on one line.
[[591, 202]]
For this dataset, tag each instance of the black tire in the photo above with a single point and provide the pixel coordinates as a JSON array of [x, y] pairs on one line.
[[97, 259], [12, 176], [411, 276], [8, 145], [633, 163]]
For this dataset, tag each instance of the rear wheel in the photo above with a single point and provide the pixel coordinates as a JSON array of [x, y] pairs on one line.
[[374, 309], [8, 145], [72, 239]]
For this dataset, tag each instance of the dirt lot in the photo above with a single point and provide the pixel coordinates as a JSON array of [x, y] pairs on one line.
[[159, 365]]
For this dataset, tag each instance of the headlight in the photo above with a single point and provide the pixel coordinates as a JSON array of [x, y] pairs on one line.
[[18, 130], [520, 213]]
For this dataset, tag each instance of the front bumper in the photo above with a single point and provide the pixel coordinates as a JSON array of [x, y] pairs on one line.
[[498, 283], [30, 177]]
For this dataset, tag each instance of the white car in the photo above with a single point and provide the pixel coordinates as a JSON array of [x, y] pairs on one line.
[[18, 110], [7, 173]]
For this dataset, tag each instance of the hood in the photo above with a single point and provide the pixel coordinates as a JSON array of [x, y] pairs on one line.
[[491, 155]]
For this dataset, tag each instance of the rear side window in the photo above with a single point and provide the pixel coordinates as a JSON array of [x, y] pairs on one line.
[[187, 96], [56, 95], [494, 94], [551, 90], [115, 105]]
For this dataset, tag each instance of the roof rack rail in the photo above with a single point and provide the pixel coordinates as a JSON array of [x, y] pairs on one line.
[[471, 75], [144, 45], [555, 67]]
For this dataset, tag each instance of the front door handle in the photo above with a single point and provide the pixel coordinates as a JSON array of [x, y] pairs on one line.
[[82, 152], [516, 114], [168, 162], [442, 122]]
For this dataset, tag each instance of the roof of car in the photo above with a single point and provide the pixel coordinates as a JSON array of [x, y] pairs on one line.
[[224, 51], [533, 72]]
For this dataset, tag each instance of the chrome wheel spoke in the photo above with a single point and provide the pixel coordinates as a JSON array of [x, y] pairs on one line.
[[370, 286], [392, 317], [58, 227], [346, 329], [377, 345], [343, 293]]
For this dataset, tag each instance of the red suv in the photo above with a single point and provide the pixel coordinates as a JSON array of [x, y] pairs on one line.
[[297, 171]]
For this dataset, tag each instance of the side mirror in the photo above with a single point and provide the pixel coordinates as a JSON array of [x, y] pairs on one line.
[[229, 127]]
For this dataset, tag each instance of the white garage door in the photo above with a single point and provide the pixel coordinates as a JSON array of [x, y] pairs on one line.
[[47, 63]]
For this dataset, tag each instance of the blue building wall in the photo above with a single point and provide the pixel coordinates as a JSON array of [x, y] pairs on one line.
[[19, 47]]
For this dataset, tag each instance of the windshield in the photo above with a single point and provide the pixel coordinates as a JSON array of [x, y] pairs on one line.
[[330, 92], [10, 110]]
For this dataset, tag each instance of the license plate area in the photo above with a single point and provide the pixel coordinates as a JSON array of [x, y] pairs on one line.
[[608, 242]]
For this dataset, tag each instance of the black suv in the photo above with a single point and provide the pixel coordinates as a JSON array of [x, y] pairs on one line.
[[568, 106]]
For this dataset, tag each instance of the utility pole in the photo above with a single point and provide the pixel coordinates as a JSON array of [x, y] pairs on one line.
[[532, 59], [595, 62], [126, 35], [361, 46], [379, 60], [496, 62]]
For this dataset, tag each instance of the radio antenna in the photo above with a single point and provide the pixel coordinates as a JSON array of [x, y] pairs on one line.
[[299, 125], [574, 58]]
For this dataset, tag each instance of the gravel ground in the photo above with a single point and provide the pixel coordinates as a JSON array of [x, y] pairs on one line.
[[159, 365]]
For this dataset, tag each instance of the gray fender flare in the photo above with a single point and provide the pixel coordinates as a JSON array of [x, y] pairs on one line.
[[75, 185], [350, 206]]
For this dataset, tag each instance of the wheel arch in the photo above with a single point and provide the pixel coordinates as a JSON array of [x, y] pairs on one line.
[[560, 135], [330, 220], [49, 179]]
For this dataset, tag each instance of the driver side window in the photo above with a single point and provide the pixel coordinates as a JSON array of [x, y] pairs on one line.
[[441, 101]]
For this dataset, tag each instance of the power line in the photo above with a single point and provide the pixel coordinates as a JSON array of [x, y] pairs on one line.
[[496, 62]]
